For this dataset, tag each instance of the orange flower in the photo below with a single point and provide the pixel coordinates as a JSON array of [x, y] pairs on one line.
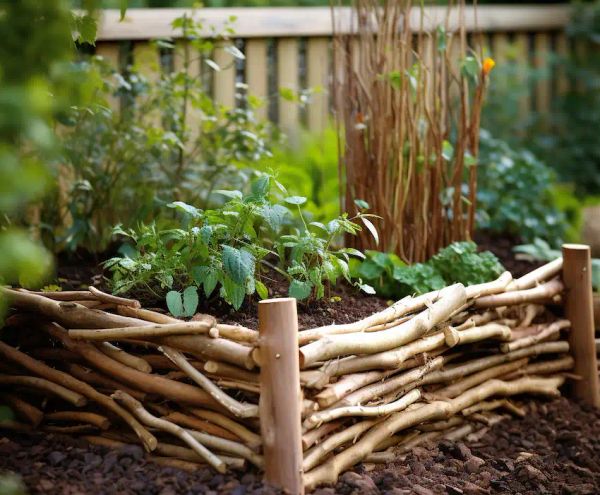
[[488, 65]]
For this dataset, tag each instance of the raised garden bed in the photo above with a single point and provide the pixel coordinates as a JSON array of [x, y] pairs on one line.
[[426, 367]]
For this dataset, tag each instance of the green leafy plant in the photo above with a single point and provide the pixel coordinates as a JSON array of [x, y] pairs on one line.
[[459, 262], [227, 248], [515, 195], [137, 142]]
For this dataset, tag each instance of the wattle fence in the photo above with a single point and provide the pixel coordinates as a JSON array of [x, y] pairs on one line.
[[291, 48]]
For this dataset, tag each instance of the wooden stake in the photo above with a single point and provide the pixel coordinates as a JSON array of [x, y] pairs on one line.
[[577, 276], [280, 398]]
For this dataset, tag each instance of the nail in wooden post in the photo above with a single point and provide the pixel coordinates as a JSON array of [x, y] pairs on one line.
[[280, 395], [577, 277]]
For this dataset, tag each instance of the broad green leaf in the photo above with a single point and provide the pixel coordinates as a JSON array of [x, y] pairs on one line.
[[353, 252], [188, 209], [371, 229], [122, 9], [362, 204], [238, 264], [274, 215], [234, 293], [366, 288], [190, 300], [261, 289], [295, 200], [206, 234], [260, 186], [174, 303], [229, 194], [300, 289]]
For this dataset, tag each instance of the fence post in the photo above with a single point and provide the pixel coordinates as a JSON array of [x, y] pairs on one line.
[[577, 277], [280, 395]]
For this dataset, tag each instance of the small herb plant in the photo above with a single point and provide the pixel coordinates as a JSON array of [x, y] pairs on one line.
[[225, 250], [459, 262]]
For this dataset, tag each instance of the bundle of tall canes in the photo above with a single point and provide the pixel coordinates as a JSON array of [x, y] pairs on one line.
[[408, 93]]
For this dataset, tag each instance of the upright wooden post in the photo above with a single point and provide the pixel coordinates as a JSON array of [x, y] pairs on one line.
[[577, 277], [280, 395]]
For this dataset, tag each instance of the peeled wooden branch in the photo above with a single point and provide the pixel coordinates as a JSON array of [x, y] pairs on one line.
[[313, 436], [94, 419], [494, 404], [391, 385], [55, 354], [471, 381], [330, 470], [147, 331], [17, 404], [93, 378], [565, 363], [207, 348], [340, 412], [478, 334], [237, 408], [56, 376], [224, 445], [110, 299], [250, 438], [314, 455], [488, 288], [237, 333], [146, 315], [66, 313], [147, 382], [190, 455], [348, 384], [45, 385], [224, 370], [451, 298], [394, 312], [547, 332], [479, 364], [539, 293], [545, 272], [61, 295], [124, 357], [136, 408], [193, 423], [441, 425]]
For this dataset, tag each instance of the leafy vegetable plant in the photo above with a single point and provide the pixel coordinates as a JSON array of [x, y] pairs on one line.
[[225, 250], [459, 262]]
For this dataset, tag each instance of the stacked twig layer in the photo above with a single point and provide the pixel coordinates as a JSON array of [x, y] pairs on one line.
[[440, 364]]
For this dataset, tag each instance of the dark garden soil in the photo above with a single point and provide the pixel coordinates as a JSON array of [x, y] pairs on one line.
[[554, 450]]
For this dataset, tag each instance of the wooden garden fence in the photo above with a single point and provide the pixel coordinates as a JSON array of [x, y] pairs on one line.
[[291, 48]]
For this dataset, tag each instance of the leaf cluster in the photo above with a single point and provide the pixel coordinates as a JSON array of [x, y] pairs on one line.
[[223, 251], [459, 262]]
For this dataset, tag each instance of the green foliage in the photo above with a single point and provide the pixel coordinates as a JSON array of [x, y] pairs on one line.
[[36, 84], [540, 250], [169, 140], [515, 195], [459, 262], [225, 248], [309, 170]]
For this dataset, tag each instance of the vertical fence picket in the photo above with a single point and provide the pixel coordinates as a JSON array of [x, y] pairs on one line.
[[287, 79], [522, 59], [110, 52], [224, 79], [562, 50], [257, 73], [541, 62], [318, 77], [192, 115]]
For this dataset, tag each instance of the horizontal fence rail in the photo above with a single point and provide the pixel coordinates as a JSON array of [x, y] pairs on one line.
[[291, 48]]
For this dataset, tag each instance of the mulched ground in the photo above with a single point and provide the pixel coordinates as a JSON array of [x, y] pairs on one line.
[[554, 450]]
